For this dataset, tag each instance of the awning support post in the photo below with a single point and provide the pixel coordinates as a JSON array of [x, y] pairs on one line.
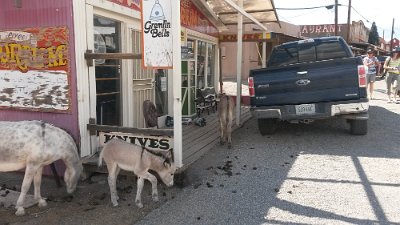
[[239, 62]]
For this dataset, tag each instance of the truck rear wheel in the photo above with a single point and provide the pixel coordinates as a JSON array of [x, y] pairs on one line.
[[267, 126], [358, 127]]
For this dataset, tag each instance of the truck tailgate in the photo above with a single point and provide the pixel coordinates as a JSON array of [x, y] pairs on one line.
[[324, 81]]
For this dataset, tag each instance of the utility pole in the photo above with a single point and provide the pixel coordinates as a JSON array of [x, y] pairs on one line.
[[391, 38], [336, 16], [348, 22]]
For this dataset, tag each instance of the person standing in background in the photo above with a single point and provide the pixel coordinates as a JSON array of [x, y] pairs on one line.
[[372, 63], [392, 65]]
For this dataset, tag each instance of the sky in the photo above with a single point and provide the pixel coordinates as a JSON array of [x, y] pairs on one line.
[[381, 12]]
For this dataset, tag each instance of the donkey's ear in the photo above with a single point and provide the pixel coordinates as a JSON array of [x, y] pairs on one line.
[[170, 154]]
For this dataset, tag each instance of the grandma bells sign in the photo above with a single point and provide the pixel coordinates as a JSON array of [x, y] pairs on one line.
[[156, 34]]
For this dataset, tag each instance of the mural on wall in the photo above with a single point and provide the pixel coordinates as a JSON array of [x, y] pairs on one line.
[[133, 4], [194, 19], [34, 69]]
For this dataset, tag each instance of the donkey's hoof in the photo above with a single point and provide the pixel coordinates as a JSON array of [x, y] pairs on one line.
[[42, 203], [155, 198], [115, 204], [20, 211], [229, 145], [139, 204]]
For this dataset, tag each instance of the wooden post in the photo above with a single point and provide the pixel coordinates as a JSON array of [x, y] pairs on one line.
[[239, 62], [348, 22], [336, 16], [177, 81]]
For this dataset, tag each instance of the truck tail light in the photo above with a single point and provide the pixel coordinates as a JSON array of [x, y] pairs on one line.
[[251, 87], [362, 76]]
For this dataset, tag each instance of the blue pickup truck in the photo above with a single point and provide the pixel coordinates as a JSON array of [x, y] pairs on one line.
[[307, 80]]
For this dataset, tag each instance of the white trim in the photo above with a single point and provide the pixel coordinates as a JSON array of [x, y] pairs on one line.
[[126, 77], [81, 78], [114, 8], [127, 80], [177, 79], [91, 74], [201, 36], [239, 62]]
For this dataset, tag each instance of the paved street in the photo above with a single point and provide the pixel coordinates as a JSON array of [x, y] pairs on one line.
[[305, 174]]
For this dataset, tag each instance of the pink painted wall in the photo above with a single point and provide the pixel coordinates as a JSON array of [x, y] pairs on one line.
[[229, 62], [44, 13]]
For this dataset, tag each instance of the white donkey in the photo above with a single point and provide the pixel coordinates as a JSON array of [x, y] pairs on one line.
[[226, 109], [119, 154], [32, 145]]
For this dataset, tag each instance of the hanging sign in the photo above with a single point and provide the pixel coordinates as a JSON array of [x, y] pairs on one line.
[[156, 34], [151, 142]]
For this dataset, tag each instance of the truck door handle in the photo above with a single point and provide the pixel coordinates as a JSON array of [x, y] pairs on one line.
[[302, 73]]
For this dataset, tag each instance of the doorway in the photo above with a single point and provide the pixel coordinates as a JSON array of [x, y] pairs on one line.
[[107, 38]]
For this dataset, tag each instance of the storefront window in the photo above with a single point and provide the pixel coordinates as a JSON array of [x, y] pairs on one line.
[[210, 65], [108, 72], [190, 47], [161, 92], [201, 57]]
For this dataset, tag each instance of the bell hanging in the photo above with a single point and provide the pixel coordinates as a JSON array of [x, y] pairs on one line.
[[157, 12]]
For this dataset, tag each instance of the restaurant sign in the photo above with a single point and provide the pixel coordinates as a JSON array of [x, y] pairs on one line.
[[156, 34], [34, 69], [323, 30]]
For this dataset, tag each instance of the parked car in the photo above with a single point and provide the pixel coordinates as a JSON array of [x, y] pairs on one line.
[[308, 80]]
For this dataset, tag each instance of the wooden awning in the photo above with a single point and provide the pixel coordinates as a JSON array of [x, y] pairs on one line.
[[225, 12]]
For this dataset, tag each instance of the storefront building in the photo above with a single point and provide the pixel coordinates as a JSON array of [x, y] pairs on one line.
[[76, 64]]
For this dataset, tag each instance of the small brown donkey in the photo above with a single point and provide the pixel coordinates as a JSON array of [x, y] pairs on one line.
[[226, 109], [119, 154]]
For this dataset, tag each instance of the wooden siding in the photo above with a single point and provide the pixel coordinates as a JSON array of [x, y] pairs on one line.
[[41, 14]]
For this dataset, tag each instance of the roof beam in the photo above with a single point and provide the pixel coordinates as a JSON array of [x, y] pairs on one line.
[[269, 21], [249, 11], [244, 13]]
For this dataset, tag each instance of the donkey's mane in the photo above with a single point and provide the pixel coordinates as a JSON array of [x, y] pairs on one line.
[[158, 154]]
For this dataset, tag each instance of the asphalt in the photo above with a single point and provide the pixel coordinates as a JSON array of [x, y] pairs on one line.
[[304, 174]]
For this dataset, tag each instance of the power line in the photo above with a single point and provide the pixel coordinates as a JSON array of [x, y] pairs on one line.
[[315, 7], [302, 14], [331, 7]]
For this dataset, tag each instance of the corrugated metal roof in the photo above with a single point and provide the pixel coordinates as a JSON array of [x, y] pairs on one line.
[[262, 10]]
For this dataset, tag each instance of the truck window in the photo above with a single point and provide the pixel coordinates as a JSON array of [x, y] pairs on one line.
[[306, 52], [330, 50], [283, 56]]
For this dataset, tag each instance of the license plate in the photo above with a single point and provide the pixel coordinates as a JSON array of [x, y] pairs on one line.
[[305, 109]]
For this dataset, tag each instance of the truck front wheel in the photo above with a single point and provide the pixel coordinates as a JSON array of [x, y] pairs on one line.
[[358, 127], [267, 126]]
